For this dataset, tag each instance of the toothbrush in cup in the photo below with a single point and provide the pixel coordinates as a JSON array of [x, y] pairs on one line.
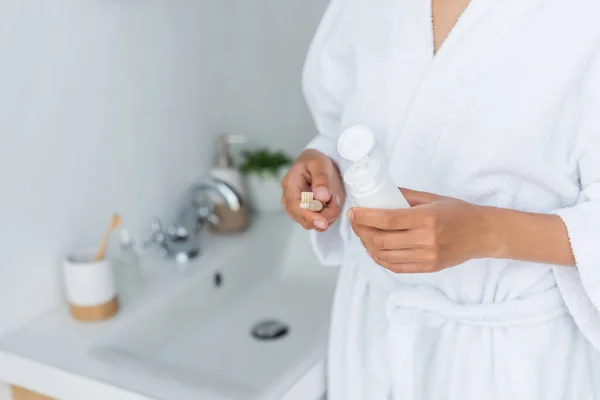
[[115, 222], [308, 202]]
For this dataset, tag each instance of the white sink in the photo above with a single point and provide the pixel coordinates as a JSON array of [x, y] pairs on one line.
[[198, 335]]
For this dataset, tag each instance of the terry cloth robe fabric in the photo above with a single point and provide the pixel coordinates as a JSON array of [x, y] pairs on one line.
[[506, 114]]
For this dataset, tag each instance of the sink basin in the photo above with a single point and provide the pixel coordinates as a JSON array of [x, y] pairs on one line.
[[206, 334]]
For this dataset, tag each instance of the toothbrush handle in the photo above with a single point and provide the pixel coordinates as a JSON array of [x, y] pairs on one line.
[[101, 253], [315, 206]]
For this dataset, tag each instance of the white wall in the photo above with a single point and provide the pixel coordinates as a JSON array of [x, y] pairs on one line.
[[108, 105], [104, 106], [267, 42]]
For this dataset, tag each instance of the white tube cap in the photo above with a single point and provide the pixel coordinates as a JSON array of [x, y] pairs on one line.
[[356, 142]]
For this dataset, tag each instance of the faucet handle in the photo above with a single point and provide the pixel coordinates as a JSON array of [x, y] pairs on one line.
[[214, 219], [157, 238], [206, 212], [194, 215]]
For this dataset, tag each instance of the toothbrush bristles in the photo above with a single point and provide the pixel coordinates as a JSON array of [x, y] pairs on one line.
[[306, 197], [308, 202]]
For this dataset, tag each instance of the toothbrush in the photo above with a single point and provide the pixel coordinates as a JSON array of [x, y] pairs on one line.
[[308, 202], [115, 222]]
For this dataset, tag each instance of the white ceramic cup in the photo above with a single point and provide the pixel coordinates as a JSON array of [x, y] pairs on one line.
[[88, 282]]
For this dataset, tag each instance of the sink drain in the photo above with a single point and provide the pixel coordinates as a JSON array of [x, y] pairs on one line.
[[270, 329]]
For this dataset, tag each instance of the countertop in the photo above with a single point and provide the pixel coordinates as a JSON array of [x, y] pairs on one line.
[[51, 355]]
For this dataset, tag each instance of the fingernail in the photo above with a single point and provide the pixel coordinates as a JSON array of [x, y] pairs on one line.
[[350, 215], [320, 224], [322, 193]]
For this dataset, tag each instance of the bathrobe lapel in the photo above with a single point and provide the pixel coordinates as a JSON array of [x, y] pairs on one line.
[[437, 81]]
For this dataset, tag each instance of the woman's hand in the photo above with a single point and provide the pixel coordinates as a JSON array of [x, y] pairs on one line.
[[436, 233], [313, 171]]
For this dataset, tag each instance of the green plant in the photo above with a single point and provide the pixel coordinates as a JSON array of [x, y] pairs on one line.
[[264, 162]]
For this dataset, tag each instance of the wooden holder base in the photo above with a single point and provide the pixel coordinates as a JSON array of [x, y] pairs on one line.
[[20, 393], [95, 313]]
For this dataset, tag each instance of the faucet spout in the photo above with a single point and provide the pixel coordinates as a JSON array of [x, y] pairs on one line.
[[181, 240], [221, 189], [198, 208]]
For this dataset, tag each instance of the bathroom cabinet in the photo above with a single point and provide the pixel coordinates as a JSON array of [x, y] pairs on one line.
[[20, 393]]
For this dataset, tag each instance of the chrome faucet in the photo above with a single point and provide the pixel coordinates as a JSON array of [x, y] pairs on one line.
[[181, 240], [197, 208]]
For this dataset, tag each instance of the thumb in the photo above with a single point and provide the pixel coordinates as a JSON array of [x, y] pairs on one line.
[[416, 198], [320, 180]]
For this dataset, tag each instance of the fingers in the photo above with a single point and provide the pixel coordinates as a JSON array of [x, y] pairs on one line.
[[404, 251], [414, 255], [413, 260], [308, 219], [293, 184], [332, 210], [375, 239], [389, 220], [295, 181], [298, 179], [320, 179], [408, 268], [416, 198]]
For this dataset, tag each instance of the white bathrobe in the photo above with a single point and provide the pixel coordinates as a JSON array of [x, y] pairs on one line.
[[506, 114]]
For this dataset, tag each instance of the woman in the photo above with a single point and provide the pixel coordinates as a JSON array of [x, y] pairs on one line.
[[491, 117]]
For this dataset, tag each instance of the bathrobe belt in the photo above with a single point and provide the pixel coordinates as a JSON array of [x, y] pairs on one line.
[[390, 355]]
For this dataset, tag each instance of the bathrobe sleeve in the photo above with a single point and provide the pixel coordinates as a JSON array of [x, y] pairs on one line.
[[583, 218], [326, 81]]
